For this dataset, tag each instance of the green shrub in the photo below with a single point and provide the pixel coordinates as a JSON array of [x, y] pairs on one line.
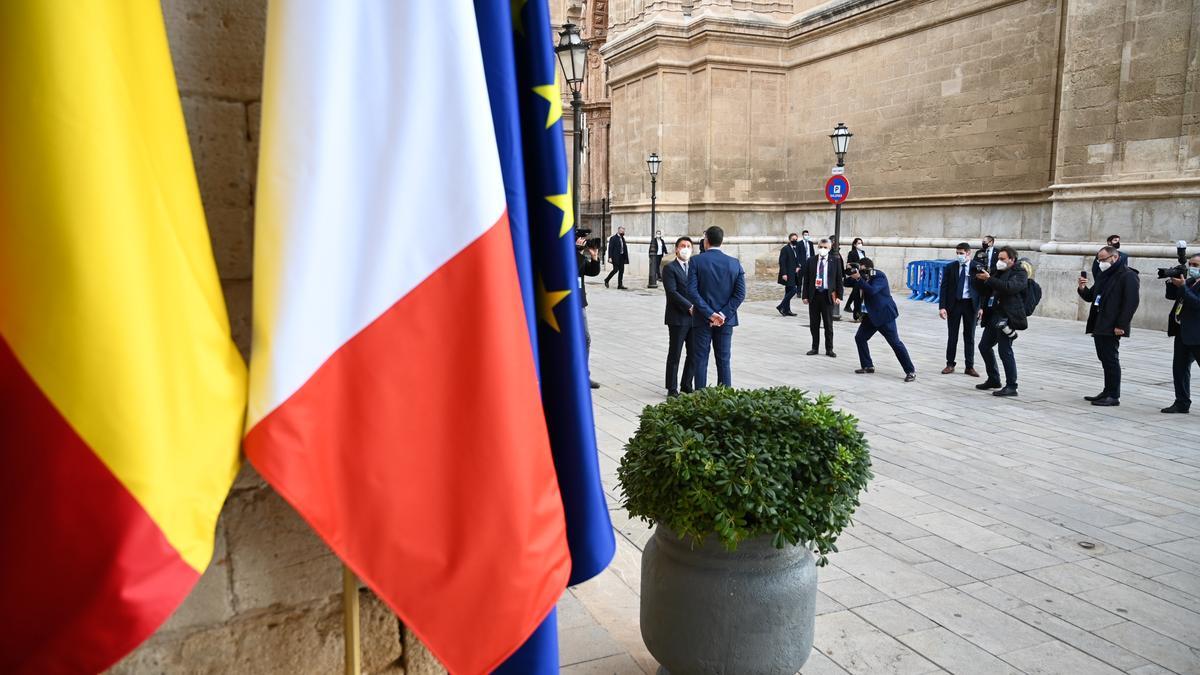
[[742, 463]]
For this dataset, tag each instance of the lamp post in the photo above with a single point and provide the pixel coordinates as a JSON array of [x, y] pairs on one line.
[[572, 52], [841, 140], [652, 163]]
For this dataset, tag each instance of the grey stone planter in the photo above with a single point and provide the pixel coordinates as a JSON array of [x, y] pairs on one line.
[[707, 610]]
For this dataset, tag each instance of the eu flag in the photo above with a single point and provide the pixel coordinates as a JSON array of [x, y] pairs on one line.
[[526, 106]]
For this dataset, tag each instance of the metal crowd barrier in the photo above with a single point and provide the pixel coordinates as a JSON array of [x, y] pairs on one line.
[[924, 279]]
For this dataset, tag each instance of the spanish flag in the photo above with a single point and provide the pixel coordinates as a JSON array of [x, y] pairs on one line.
[[121, 393]]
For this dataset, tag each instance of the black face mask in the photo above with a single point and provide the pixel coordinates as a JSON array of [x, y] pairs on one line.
[[793, 242], [1116, 244]]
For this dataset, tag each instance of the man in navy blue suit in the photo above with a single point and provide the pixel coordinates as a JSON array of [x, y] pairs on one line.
[[1184, 325], [879, 316], [958, 302], [716, 285]]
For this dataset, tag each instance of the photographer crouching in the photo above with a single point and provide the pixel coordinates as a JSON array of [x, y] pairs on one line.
[[1183, 286], [1003, 316], [878, 316]]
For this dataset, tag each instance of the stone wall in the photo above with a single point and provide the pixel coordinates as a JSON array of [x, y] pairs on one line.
[[271, 601], [1046, 122]]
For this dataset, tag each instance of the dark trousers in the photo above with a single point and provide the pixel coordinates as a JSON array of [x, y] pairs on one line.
[[1181, 371], [992, 337], [961, 311], [1108, 349], [655, 269], [619, 270], [820, 308], [678, 336], [720, 340], [867, 330], [854, 302], [789, 292]]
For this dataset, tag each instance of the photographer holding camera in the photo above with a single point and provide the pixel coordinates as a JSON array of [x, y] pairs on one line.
[[587, 253], [878, 316], [1003, 317], [1183, 286], [1114, 300]]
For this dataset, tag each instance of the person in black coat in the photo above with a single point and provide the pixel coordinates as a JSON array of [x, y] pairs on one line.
[[805, 252], [618, 255], [1114, 300], [658, 248], [958, 303], [854, 300], [1005, 291], [789, 273], [823, 286], [588, 260], [1183, 324], [678, 318]]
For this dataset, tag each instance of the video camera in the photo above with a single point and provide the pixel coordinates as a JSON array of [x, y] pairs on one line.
[[1178, 271], [585, 233], [863, 272]]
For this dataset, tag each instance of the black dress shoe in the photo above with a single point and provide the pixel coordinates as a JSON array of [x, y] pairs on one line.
[[1007, 391], [1175, 408], [606, 283], [811, 352], [595, 384], [1107, 402], [831, 355], [988, 384], [624, 288], [686, 391], [864, 371], [672, 394], [791, 314], [910, 377], [1097, 397]]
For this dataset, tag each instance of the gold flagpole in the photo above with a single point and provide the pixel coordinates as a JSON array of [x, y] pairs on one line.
[[352, 639]]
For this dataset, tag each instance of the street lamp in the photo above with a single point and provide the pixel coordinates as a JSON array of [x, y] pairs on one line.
[[841, 141], [572, 52], [652, 163]]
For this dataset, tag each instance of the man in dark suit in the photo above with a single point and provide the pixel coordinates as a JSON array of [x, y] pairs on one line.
[[716, 287], [958, 301], [678, 318], [1184, 325], [789, 273], [878, 316], [822, 291], [658, 248], [1006, 288], [804, 253], [1114, 300], [618, 255]]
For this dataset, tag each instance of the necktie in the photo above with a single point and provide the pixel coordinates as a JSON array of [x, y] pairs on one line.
[[821, 271], [963, 273]]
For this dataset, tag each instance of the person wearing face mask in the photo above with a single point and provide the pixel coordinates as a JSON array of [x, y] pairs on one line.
[[1184, 325], [958, 303], [618, 255], [658, 248], [1114, 240], [678, 318], [1006, 289], [1114, 300], [822, 290], [854, 301], [789, 273], [879, 316]]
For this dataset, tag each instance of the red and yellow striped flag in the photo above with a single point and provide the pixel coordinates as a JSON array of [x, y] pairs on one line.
[[121, 393]]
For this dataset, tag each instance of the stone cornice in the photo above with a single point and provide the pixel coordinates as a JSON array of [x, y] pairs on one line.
[[1164, 188], [905, 202]]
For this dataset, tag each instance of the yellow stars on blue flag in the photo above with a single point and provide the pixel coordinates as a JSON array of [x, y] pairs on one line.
[[564, 204], [553, 94], [546, 301]]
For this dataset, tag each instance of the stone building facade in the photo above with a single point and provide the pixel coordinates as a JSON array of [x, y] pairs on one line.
[[1048, 123]]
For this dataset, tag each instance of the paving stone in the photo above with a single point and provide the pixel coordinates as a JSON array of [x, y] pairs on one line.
[[966, 534], [1165, 617], [1021, 557], [1053, 601], [587, 642], [860, 648], [1070, 577], [968, 562], [894, 618], [955, 654], [851, 592], [618, 664], [976, 621], [1055, 658], [1153, 645], [1085, 641]]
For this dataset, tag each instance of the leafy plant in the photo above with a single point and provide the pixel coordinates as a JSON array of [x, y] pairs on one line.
[[743, 463]]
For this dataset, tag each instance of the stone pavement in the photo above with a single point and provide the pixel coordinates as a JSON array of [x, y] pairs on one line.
[[966, 554]]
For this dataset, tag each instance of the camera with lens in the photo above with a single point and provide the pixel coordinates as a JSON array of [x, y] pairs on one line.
[[863, 272], [585, 233], [1178, 271], [1005, 329]]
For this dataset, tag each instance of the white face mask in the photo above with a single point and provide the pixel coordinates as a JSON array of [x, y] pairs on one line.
[[822, 252], [858, 246], [1194, 272], [807, 238], [1001, 265], [1104, 266], [684, 253], [962, 257]]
